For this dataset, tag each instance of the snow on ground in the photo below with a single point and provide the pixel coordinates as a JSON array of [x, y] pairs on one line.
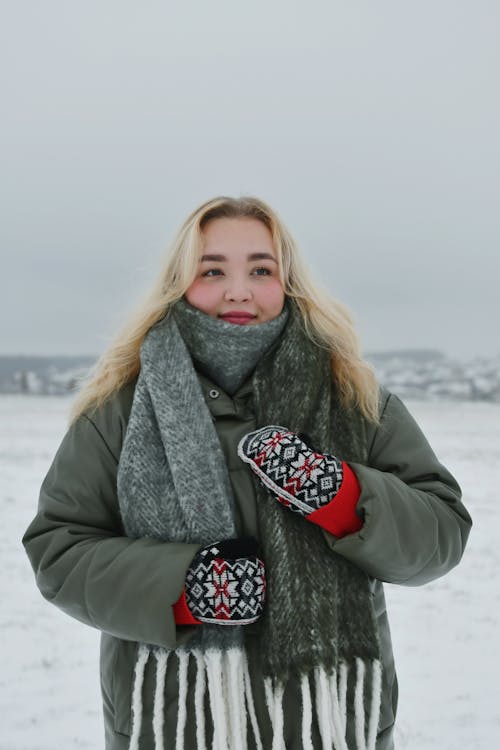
[[444, 633]]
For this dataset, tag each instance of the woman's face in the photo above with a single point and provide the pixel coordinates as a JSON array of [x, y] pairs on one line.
[[237, 277]]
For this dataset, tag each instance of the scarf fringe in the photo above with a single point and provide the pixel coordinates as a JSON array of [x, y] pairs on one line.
[[235, 696], [183, 690], [230, 694], [142, 657], [216, 692], [159, 701], [305, 690], [278, 723], [250, 704], [199, 693], [338, 715], [344, 671]]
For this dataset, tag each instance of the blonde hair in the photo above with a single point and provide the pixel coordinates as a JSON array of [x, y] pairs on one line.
[[326, 320]]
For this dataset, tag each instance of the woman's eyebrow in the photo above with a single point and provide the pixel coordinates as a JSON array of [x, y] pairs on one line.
[[252, 256]]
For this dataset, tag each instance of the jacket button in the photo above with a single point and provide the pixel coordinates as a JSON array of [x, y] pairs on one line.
[[213, 393]]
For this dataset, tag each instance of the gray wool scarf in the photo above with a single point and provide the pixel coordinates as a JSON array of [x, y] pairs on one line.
[[226, 352], [318, 625]]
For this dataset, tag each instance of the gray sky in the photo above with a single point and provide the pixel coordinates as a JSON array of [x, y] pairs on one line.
[[371, 127]]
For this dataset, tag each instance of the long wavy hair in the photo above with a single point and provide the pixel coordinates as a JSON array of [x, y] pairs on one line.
[[327, 321]]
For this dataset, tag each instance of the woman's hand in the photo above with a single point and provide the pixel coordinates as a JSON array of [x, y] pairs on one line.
[[320, 487]]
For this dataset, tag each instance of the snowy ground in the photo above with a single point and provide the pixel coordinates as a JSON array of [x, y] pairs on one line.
[[444, 634]]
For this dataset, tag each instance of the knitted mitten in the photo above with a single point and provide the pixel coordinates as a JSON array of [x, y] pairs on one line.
[[320, 487], [225, 585]]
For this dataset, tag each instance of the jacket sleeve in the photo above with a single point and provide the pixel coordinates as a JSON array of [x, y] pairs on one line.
[[415, 525], [83, 562]]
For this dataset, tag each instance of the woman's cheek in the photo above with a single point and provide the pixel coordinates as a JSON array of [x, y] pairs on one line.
[[274, 294], [200, 294]]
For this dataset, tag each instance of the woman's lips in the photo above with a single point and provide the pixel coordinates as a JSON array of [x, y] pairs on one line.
[[240, 318]]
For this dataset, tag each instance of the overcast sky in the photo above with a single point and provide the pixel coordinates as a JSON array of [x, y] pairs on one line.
[[371, 127]]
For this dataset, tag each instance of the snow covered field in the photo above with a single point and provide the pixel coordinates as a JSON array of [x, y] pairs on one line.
[[445, 634]]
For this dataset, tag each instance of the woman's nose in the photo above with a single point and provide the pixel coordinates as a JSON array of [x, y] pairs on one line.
[[237, 292]]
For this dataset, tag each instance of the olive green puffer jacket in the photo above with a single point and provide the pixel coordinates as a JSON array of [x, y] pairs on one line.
[[415, 530]]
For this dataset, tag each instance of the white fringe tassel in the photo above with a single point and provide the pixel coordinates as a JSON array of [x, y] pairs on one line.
[[216, 691], [368, 742], [250, 704], [159, 700], [343, 676], [306, 713], [375, 704], [337, 722], [323, 706], [278, 723], [182, 709], [143, 655], [199, 707], [359, 708], [231, 696], [268, 692], [235, 697]]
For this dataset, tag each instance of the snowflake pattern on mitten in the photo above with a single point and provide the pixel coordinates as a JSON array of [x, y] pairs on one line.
[[223, 589], [301, 478]]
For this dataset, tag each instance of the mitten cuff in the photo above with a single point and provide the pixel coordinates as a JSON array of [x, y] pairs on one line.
[[339, 517], [182, 613]]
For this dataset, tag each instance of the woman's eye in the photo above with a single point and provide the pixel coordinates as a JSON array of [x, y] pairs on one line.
[[261, 271]]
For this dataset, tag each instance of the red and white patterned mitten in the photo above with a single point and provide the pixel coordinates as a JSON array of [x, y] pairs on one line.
[[317, 486], [225, 585]]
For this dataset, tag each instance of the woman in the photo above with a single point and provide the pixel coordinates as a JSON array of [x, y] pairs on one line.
[[228, 619]]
